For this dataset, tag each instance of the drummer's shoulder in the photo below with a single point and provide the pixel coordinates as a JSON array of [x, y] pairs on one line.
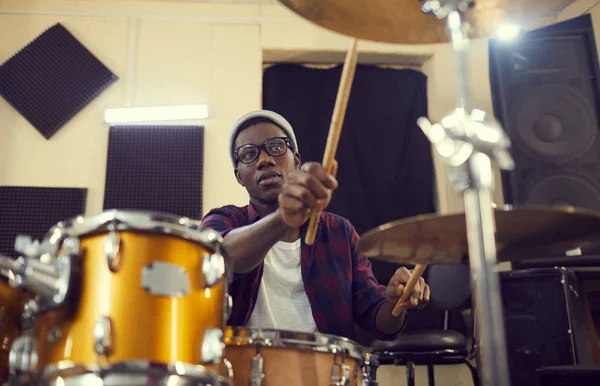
[[335, 221], [232, 212]]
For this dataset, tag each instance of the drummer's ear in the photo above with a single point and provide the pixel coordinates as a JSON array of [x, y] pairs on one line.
[[238, 176], [297, 160]]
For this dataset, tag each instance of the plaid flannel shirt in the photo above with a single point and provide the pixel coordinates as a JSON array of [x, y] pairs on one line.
[[338, 280]]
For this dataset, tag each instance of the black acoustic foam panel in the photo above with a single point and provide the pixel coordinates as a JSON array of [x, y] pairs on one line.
[[34, 210], [53, 78], [155, 168]]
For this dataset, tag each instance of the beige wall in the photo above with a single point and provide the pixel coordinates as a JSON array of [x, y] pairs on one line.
[[182, 53]]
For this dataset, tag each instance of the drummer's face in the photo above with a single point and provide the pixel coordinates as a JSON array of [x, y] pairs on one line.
[[252, 175]]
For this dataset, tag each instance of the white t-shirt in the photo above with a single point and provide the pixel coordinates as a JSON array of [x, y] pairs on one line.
[[282, 303]]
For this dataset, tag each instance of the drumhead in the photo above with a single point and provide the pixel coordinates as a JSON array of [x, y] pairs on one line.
[[240, 336], [148, 222]]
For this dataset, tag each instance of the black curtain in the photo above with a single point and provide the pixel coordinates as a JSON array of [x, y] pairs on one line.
[[385, 163]]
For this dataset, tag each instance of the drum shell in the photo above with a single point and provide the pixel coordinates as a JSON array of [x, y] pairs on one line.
[[145, 327], [290, 364]]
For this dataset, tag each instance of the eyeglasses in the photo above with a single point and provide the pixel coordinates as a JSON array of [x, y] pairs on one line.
[[275, 147]]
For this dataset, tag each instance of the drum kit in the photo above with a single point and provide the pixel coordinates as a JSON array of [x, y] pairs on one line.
[[141, 298]]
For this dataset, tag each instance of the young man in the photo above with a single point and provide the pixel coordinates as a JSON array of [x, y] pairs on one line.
[[280, 282]]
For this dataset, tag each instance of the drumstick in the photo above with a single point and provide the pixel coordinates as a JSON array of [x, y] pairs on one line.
[[335, 129], [410, 285]]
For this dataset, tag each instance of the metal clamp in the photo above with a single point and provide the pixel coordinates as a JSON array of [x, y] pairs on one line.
[[45, 275]]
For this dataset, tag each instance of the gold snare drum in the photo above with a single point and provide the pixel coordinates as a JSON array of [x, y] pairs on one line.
[[146, 303], [285, 358]]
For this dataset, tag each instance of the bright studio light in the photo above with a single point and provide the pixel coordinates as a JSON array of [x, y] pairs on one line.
[[157, 113], [508, 32]]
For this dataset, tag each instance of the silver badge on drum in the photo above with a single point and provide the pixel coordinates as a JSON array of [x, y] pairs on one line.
[[165, 279]]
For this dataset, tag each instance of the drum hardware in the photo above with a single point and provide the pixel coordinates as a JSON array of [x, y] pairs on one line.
[[212, 346], [258, 375], [165, 279], [40, 272], [100, 327], [228, 367], [340, 372], [228, 306], [23, 357], [112, 247], [30, 310], [268, 357], [370, 365], [213, 268], [468, 141], [54, 335], [103, 336]]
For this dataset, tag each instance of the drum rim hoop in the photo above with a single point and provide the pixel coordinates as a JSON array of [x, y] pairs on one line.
[[279, 338], [69, 369], [135, 220]]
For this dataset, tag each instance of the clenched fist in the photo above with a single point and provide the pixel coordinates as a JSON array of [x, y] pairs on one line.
[[304, 190]]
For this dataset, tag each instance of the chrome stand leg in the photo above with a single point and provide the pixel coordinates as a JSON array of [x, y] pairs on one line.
[[468, 141]]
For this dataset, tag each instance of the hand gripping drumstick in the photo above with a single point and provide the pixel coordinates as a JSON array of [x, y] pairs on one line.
[[410, 285], [335, 129]]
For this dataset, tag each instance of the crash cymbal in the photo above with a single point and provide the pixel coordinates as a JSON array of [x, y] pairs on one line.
[[523, 233], [404, 22]]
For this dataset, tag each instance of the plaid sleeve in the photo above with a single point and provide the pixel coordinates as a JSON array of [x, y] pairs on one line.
[[222, 220], [368, 294]]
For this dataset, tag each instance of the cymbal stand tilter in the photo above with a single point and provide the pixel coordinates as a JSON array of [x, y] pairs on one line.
[[468, 142]]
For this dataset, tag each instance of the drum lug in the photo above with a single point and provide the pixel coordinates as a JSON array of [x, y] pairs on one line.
[[103, 339], [258, 375], [340, 375], [23, 357], [228, 306], [213, 268], [228, 367], [212, 345], [112, 249]]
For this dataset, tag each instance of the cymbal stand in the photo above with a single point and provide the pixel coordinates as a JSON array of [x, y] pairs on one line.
[[468, 141]]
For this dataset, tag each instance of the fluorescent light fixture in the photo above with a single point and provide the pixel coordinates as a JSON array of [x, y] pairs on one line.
[[157, 113]]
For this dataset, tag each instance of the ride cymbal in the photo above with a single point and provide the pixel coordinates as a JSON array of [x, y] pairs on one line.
[[404, 22], [522, 233]]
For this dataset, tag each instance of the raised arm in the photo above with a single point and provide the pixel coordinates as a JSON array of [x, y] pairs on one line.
[[248, 245]]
